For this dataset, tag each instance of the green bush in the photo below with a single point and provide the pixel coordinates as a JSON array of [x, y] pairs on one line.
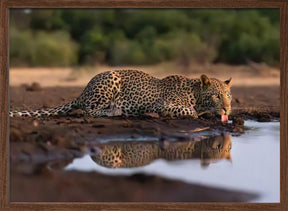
[[55, 49], [144, 36], [126, 52], [248, 38], [191, 47], [42, 49], [270, 50], [93, 47], [161, 50], [20, 45]]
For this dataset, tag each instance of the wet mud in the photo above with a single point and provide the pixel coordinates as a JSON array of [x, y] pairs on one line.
[[41, 148]]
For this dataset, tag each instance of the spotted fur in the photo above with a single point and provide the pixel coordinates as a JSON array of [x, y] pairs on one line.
[[128, 154], [134, 93]]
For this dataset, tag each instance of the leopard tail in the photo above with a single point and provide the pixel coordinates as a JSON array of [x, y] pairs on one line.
[[62, 110]]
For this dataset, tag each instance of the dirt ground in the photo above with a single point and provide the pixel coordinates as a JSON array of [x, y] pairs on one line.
[[42, 141]]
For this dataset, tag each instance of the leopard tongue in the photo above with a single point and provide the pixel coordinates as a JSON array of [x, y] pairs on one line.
[[224, 118]]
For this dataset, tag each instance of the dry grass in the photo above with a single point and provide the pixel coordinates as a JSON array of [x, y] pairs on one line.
[[243, 75]]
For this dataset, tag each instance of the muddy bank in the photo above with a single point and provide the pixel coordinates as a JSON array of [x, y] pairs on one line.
[[46, 140], [73, 186]]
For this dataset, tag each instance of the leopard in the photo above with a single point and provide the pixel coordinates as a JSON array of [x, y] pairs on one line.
[[131, 154], [134, 93]]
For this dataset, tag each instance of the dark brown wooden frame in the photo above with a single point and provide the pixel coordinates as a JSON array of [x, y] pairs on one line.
[[5, 5]]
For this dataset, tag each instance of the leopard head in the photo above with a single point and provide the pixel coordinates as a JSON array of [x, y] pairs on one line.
[[215, 149], [214, 96]]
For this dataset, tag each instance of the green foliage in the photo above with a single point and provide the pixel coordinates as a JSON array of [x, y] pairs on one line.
[[248, 38], [144, 36], [191, 47], [42, 49], [131, 52], [20, 47], [47, 19], [55, 49], [93, 47]]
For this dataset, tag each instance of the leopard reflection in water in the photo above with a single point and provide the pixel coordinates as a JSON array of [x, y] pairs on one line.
[[129, 154]]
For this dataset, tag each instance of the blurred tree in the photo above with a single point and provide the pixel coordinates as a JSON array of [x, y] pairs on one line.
[[147, 36], [47, 19], [42, 49]]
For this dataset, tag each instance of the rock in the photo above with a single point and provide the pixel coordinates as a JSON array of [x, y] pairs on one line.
[[237, 100], [237, 129], [35, 123], [239, 121], [264, 117], [34, 87], [15, 135]]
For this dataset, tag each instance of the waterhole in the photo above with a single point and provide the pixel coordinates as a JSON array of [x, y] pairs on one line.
[[250, 162]]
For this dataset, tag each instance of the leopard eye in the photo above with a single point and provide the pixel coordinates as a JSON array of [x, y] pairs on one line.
[[228, 95], [216, 97]]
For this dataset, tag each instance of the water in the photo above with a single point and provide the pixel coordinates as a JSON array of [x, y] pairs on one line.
[[255, 165]]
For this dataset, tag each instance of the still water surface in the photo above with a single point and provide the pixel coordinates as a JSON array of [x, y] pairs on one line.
[[254, 165]]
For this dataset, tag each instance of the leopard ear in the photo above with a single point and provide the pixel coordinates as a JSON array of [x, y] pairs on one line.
[[205, 81], [228, 82]]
